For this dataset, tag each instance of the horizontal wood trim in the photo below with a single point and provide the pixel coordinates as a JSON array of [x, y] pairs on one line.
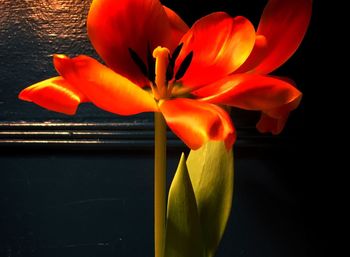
[[104, 135]]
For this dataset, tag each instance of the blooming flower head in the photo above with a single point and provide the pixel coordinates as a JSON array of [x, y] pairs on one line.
[[156, 63]]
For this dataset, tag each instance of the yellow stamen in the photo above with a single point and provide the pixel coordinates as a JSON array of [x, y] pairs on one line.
[[162, 59]]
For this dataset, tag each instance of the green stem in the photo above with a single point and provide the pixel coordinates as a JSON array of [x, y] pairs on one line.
[[159, 183]]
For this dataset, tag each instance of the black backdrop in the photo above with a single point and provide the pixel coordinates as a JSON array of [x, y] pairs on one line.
[[82, 186]]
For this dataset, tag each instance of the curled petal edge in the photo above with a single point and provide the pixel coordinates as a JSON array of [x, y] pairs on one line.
[[55, 94], [196, 123]]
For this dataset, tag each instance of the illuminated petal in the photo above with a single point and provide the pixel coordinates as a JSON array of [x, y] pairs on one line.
[[283, 24], [114, 26], [220, 44], [54, 94], [256, 56], [250, 92], [195, 122], [103, 87]]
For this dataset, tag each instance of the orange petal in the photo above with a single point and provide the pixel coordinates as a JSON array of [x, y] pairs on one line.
[[283, 24], [114, 26], [178, 26], [256, 56], [55, 94], [220, 44], [250, 92], [103, 87], [195, 122]]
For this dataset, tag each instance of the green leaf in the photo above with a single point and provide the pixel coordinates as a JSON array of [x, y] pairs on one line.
[[211, 172], [183, 234]]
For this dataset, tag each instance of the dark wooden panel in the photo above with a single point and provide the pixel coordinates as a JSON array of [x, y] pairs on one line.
[[90, 204]]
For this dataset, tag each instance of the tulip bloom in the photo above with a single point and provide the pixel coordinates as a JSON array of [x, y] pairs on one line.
[[156, 63]]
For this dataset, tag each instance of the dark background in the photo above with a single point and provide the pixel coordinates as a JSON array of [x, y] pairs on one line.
[[83, 185]]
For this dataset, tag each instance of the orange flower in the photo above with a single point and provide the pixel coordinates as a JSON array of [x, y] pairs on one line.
[[155, 63]]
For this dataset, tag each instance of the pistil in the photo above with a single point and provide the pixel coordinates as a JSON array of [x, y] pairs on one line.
[[161, 54]]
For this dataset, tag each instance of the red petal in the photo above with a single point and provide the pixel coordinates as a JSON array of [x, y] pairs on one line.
[[250, 92], [269, 124], [178, 26], [195, 122], [283, 24], [273, 120], [220, 44], [276, 98], [114, 26], [103, 87], [55, 94]]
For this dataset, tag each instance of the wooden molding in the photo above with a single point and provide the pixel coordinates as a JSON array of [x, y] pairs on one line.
[[110, 136]]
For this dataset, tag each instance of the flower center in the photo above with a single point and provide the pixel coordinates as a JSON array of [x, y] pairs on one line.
[[160, 71]]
